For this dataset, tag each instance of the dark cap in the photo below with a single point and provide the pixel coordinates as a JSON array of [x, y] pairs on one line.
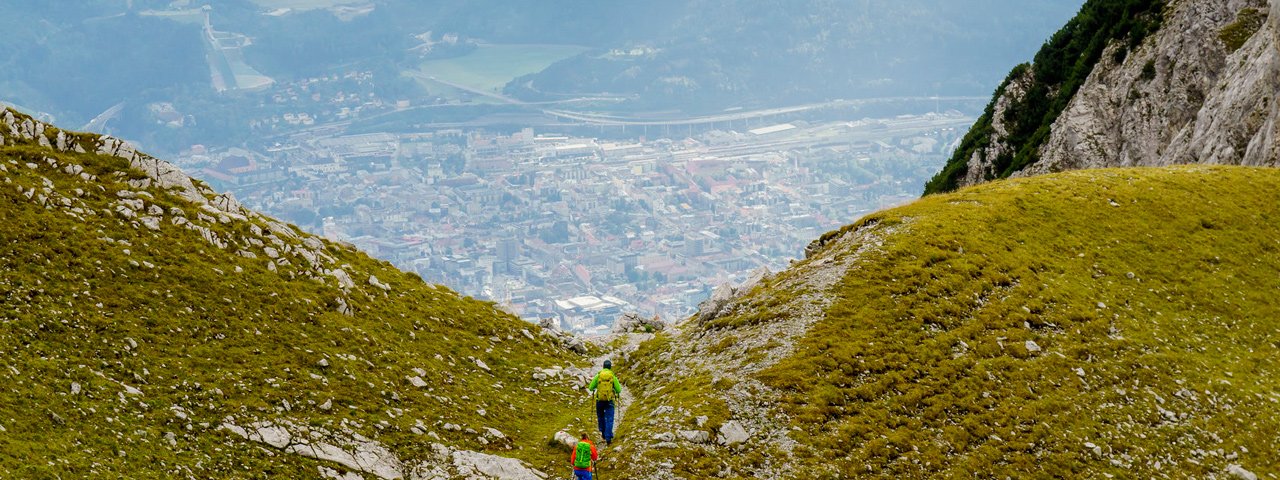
[[608, 364]]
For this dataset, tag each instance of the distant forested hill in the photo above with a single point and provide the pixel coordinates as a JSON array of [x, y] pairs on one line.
[[773, 51], [78, 58]]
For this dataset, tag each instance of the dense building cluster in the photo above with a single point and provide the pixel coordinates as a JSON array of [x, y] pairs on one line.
[[583, 229]]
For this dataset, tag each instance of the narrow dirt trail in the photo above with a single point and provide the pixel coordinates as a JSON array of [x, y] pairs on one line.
[[631, 343]]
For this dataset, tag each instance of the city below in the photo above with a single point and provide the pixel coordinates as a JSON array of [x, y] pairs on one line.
[[582, 229]]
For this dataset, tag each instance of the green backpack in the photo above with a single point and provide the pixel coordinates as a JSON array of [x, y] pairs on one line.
[[583, 457], [604, 386]]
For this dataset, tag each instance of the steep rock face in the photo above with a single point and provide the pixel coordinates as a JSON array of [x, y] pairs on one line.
[[1241, 121], [1181, 98], [981, 164], [1183, 95]]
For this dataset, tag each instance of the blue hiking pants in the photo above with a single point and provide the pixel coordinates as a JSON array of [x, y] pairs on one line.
[[582, 474], [604, 418]]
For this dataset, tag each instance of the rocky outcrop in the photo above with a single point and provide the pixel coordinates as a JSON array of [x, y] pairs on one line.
[[17, 128], [350, 450], [632, 322], [1239, 123], [208, 215], [471, 464], [564, 438], [732, 433], [358, 453], [981, 166], [551, 326], [1183, 96], [725, 294], [164, 174]]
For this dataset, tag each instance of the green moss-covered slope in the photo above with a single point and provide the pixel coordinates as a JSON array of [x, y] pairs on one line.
[[1118, 322], [128, 346], [1059, 69]]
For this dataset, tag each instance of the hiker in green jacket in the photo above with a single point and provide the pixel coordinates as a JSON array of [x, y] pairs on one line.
[[605, 396]]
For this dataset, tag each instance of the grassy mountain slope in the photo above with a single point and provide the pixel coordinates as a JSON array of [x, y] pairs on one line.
[[1094, 323], [142, 328]]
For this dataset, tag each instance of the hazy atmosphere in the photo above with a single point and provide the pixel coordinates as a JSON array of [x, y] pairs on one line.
[[647, 240], [630, 156]]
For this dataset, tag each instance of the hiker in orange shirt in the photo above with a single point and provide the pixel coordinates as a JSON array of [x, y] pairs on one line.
[[584, 456]]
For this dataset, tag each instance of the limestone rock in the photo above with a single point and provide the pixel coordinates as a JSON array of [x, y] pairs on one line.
[[344, 280], [1179, 98], [1240, 472], [332, 474], [576, 345], [564, 438], [758, 275], [126, 212], [349, 449], [725, 294], [980, 165], [164, 174], [549, 323], [475, 464], [343, 308], [1032, 346], [634, 322], [712, 306], [732, 433], [227, 203], [313, 243], [694, 436]]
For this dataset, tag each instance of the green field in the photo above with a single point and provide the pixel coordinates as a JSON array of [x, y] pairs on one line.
[[490, 67]]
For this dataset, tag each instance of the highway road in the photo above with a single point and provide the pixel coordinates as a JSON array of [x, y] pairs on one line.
[[586, 118], [598, 119]]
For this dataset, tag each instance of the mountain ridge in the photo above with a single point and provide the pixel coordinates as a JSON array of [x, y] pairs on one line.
[[154, 328], [1079, 324]]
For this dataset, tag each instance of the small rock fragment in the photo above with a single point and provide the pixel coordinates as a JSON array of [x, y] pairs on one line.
[[1240, 472], [1032, 346]]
